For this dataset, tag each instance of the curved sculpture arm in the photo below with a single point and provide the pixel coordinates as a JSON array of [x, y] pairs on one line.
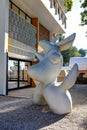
[[70, 79]]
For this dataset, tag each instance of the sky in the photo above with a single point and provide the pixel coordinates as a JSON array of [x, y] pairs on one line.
[[73, 21]]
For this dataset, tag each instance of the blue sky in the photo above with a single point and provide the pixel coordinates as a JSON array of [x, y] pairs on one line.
[[73, 21]]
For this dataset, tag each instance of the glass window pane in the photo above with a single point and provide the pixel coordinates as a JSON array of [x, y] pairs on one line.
[[12, 85], [12, 74], [12, 70], [24, 78]]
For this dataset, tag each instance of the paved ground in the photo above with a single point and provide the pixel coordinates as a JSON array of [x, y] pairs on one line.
[[19, 113], [26, 93]]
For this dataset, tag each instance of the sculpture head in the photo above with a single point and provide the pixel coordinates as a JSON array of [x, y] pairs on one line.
[[54, 48], [50, 61]]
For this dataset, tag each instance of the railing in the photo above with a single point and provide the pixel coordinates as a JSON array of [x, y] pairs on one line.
[[58, 11]]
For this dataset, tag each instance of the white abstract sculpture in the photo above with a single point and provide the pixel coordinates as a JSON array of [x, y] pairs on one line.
[[45, 73]]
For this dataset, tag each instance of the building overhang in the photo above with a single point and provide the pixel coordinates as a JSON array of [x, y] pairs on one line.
[[42, 10]]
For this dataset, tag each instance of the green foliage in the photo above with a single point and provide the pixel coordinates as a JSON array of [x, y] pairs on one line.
[[84, 17], [68, 4], [82, 52], [84, 4], [84, 13], [61, 37], [72, 52]]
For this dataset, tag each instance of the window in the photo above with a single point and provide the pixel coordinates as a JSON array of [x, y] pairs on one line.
[[17, 74]]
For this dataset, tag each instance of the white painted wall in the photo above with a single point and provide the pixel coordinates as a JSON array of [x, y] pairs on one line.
[[81, 61], [4, 16]]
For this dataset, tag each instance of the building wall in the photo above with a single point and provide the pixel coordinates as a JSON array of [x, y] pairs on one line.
[[44, 34], [22, 32], [4, 8], [4, 40]]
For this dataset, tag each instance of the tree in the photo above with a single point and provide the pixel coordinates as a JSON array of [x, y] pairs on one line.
[[82, 52], [84, 13], [61, 37], [72, 52], [68, 4]]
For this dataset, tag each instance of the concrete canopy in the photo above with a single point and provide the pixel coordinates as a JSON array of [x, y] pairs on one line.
[[37, 8]]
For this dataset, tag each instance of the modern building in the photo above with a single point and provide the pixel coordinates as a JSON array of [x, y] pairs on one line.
[[22, 24]]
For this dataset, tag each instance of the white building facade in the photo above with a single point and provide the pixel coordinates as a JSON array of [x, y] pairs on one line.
[[22, 24]]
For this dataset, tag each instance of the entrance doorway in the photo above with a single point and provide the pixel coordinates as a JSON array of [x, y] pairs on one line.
[[18, 75]]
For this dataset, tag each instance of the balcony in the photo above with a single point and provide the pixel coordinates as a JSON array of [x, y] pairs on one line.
[[57, 10]]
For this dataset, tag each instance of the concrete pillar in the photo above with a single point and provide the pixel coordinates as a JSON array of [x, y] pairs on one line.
[[4, 17]]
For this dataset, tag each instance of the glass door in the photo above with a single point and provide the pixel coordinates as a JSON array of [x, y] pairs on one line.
[[24, 79], [12, 74], [18, 75]]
